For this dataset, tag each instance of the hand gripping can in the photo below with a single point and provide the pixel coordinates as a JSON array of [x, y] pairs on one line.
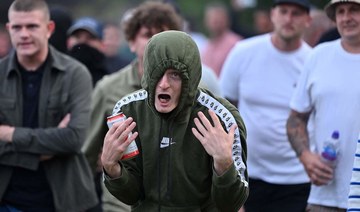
[[132, 150]]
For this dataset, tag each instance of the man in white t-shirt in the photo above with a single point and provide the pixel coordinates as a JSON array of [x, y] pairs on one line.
[[329, 91], [259, 76]]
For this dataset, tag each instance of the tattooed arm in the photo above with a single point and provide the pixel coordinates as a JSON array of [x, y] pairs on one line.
[[296, 126]]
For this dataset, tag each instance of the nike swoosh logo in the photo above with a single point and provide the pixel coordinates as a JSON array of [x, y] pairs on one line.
[[165, 142]]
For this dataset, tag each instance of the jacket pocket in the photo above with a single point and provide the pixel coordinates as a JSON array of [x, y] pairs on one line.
[[7, 110], [54, 111]]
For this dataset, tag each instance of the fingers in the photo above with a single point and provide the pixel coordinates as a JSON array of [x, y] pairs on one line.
[[124, 130], [215, 118], [320, 178], [117, 138], [6, 133], [197, 134], [119, 127], [204, 125], [204, 121], [321, 174], [214, 138], [200, 127], [116, 141], [65, 121]]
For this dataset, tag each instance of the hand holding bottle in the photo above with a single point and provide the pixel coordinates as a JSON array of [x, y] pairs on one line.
[[330, 150]]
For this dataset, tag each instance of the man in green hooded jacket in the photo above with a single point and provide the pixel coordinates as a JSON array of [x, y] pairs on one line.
[[192, 144]]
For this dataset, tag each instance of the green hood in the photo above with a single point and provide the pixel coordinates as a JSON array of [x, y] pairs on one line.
[[176, 50]]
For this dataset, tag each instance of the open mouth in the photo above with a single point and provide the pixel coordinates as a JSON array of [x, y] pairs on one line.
[[24, 44], [164, 98]]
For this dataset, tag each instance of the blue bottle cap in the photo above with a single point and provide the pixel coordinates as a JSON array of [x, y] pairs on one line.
[[335, 134]]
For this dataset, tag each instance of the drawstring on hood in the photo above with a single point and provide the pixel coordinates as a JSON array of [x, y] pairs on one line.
[[172, 50]]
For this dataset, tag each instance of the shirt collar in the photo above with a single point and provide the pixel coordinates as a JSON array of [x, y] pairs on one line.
[[53, 59]]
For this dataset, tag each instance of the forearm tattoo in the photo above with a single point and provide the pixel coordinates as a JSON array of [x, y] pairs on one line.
[[297, 133]]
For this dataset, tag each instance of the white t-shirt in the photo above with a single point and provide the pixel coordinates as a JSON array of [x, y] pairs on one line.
[[209, 80], [330, 86], [262, 79]]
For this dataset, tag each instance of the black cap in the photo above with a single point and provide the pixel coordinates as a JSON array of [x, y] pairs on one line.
[[89, 24], [302, 3]]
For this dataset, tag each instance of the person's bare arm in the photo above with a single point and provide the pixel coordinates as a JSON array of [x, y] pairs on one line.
[[297, 133], [296, 126]]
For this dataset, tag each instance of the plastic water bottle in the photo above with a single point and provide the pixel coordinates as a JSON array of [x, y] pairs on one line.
[[330, 151]]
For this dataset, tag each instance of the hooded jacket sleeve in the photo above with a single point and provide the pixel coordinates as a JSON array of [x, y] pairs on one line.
[[126, 188]]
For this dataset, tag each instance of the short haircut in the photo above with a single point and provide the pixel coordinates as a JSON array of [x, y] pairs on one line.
[[218, 5], [30, 5], [152, 15]]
